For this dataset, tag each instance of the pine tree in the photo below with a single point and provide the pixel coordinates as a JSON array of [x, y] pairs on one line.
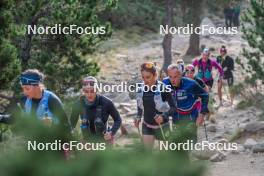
[[252, 67], [9, 63], [253, 32], [59, 56]]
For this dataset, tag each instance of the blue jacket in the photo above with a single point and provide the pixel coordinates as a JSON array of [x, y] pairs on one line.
[[186, 96]]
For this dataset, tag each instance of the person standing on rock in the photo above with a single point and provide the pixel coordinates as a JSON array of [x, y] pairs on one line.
[[227, 64], [154, 103], [93, 110], [229, 14], [186, 93], [236, 14]]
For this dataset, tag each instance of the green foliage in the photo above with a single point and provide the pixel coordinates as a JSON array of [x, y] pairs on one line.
[[111, 162], [237, 89], [253, 32], [244, 104], [5, 132], [252, 67], [147, 14], [9, 63], [59, 56]]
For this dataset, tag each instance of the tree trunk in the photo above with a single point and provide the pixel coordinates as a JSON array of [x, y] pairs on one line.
[[166, 44], [194, 45], [196, 13], [27, 42], [25, 50]]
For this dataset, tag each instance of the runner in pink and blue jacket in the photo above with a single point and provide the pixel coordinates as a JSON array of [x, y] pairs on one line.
[[205, 66]]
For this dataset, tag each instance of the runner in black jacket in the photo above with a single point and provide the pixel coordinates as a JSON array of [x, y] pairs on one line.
[[227, 64], [94, 110]]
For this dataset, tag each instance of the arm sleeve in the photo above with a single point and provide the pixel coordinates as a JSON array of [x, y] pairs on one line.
[[195, 62], [200, 92], [139, 113], [218, 67], [56, 108], [168, 97], [116, 117], [201, 82]]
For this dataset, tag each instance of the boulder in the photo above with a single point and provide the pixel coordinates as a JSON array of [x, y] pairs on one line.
[[240, 149], [218, 157], [249, 143], [254, 127], [205, 154], [258, 148], [211, 128]]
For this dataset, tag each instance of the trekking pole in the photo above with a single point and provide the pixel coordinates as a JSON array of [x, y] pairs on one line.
[[139, 134], [170, 121], [19, 106], [205, 131], [161, 129]]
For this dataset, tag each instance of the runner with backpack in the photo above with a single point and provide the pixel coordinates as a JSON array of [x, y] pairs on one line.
[[205, 66], [155, 104], [40, 103], [186, 93], [93, 110]]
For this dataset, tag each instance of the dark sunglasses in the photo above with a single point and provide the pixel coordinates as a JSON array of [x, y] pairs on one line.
[[190, 71]]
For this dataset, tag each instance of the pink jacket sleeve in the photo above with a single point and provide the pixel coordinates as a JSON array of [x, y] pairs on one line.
[[195, 62], [218, 67]]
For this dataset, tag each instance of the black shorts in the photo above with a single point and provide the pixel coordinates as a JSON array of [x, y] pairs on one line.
[[210, 83], [156, 132], [230, 81]]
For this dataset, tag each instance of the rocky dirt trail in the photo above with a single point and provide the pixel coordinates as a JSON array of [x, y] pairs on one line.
[[229, 120]]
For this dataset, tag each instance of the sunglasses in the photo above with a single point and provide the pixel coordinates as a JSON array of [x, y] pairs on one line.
[[190, 71], [180, 62], [148, 65]]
